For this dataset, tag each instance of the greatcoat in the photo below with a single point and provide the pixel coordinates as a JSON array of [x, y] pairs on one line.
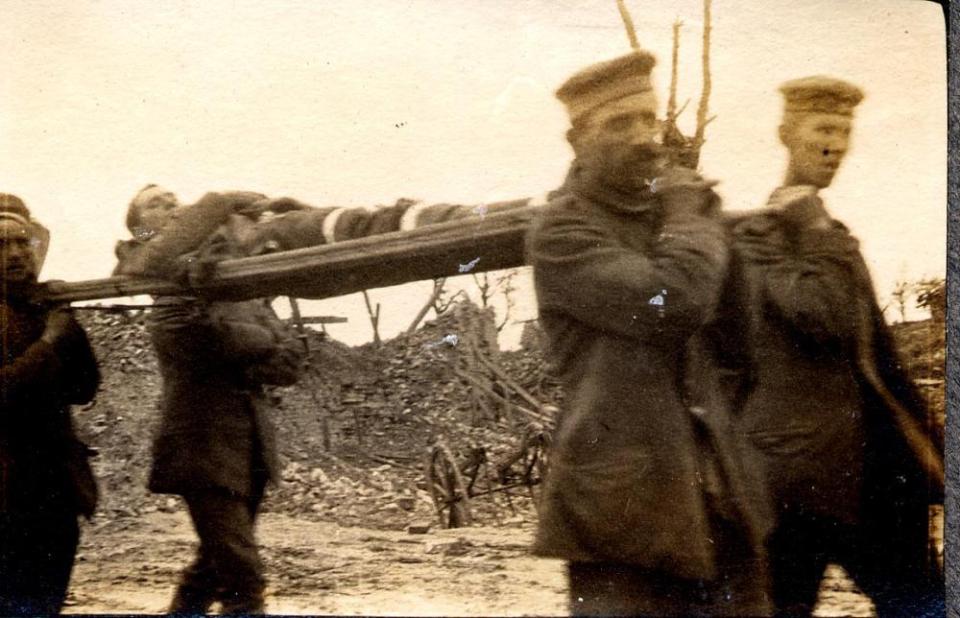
[[43, 466], [644, 455], [214, 429], [814, 371]]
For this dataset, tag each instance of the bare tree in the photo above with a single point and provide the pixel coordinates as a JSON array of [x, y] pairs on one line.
[[431, 303], [932, 295], [628, 24], [703, 108], [485, 286], [489, 287], [507, 288], [901, 291], [679, 146], [443, 303], [374, 317], [684, 151], [672, 101]]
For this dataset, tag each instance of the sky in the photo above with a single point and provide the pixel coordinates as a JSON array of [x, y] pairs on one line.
[[360, 103]]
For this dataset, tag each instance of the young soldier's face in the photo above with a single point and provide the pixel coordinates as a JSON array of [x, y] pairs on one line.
[[619, 139], [16, 255], [817, 144], [156, 212]]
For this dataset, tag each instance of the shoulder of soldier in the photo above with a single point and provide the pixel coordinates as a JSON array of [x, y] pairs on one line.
[[567, 204], [230, 200], [561, 209], [754, 223], [761, 220], [255, 311], [242, 197], [130, 257]]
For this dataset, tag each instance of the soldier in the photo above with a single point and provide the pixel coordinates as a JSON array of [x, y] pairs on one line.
[[45, 479], [215, 445], [648, 497], [164, 230], [820, 382]]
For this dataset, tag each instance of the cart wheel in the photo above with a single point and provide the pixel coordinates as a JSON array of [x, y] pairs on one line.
[[447, 487], [535, 458]]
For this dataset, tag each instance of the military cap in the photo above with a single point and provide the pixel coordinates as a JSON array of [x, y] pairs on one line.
[[822, 94], [10, 203], [13, 209], [144, 195], [605, 82]]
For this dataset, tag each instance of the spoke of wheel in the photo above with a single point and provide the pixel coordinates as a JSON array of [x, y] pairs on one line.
[[440, 490], [459, 498], [488, 475]]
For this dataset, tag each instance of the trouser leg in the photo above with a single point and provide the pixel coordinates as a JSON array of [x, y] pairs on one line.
[[225, 525], [743, 584], [246, 595], [897, 580], [798, 557], [37, 552], [197, 589], [612, 589]]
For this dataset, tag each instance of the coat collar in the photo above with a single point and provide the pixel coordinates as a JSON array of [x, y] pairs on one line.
[[24, 296], [588, 184]]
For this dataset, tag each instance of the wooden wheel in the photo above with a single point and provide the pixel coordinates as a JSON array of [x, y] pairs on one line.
[[450, 495], [535, 458]]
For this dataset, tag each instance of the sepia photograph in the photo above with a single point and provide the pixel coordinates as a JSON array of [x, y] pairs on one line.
[[510, 308]]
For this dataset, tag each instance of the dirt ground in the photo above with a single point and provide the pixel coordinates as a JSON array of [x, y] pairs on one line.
[[333, 533], [323, 568], [316, 567]]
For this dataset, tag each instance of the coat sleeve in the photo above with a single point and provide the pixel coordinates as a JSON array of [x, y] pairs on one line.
[[811, 285], [30, 375], [258, 340], [583, 270], [62, 373], [183, 233], [727, 337], [81, 375]]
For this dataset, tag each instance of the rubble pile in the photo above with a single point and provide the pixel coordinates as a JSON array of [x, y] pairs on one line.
[[383, 408], [922, 347], [119, 421]]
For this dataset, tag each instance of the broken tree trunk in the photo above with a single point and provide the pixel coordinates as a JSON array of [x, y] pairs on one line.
[[672, 98], [628, 24], [427, 306], [704, 106], [374, 317], [341, 268]]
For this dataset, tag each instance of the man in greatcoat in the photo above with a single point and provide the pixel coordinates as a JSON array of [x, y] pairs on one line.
[[45, 479], [820, 389], [215, 443], [649, 497]]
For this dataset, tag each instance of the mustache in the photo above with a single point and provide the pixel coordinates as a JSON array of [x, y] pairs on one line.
[[646, 152]]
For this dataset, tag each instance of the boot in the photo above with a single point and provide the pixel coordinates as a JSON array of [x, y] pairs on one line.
[[245, 603], [190, 601]]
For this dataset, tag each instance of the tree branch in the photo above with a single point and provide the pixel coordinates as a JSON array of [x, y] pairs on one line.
[[628, 24], [374, 317], [672, 102], [704, 106], [430, 304]]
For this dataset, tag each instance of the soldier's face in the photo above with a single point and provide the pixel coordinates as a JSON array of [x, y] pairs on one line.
[[619, 139], [156, 212], [817, 145], [16, 254]]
